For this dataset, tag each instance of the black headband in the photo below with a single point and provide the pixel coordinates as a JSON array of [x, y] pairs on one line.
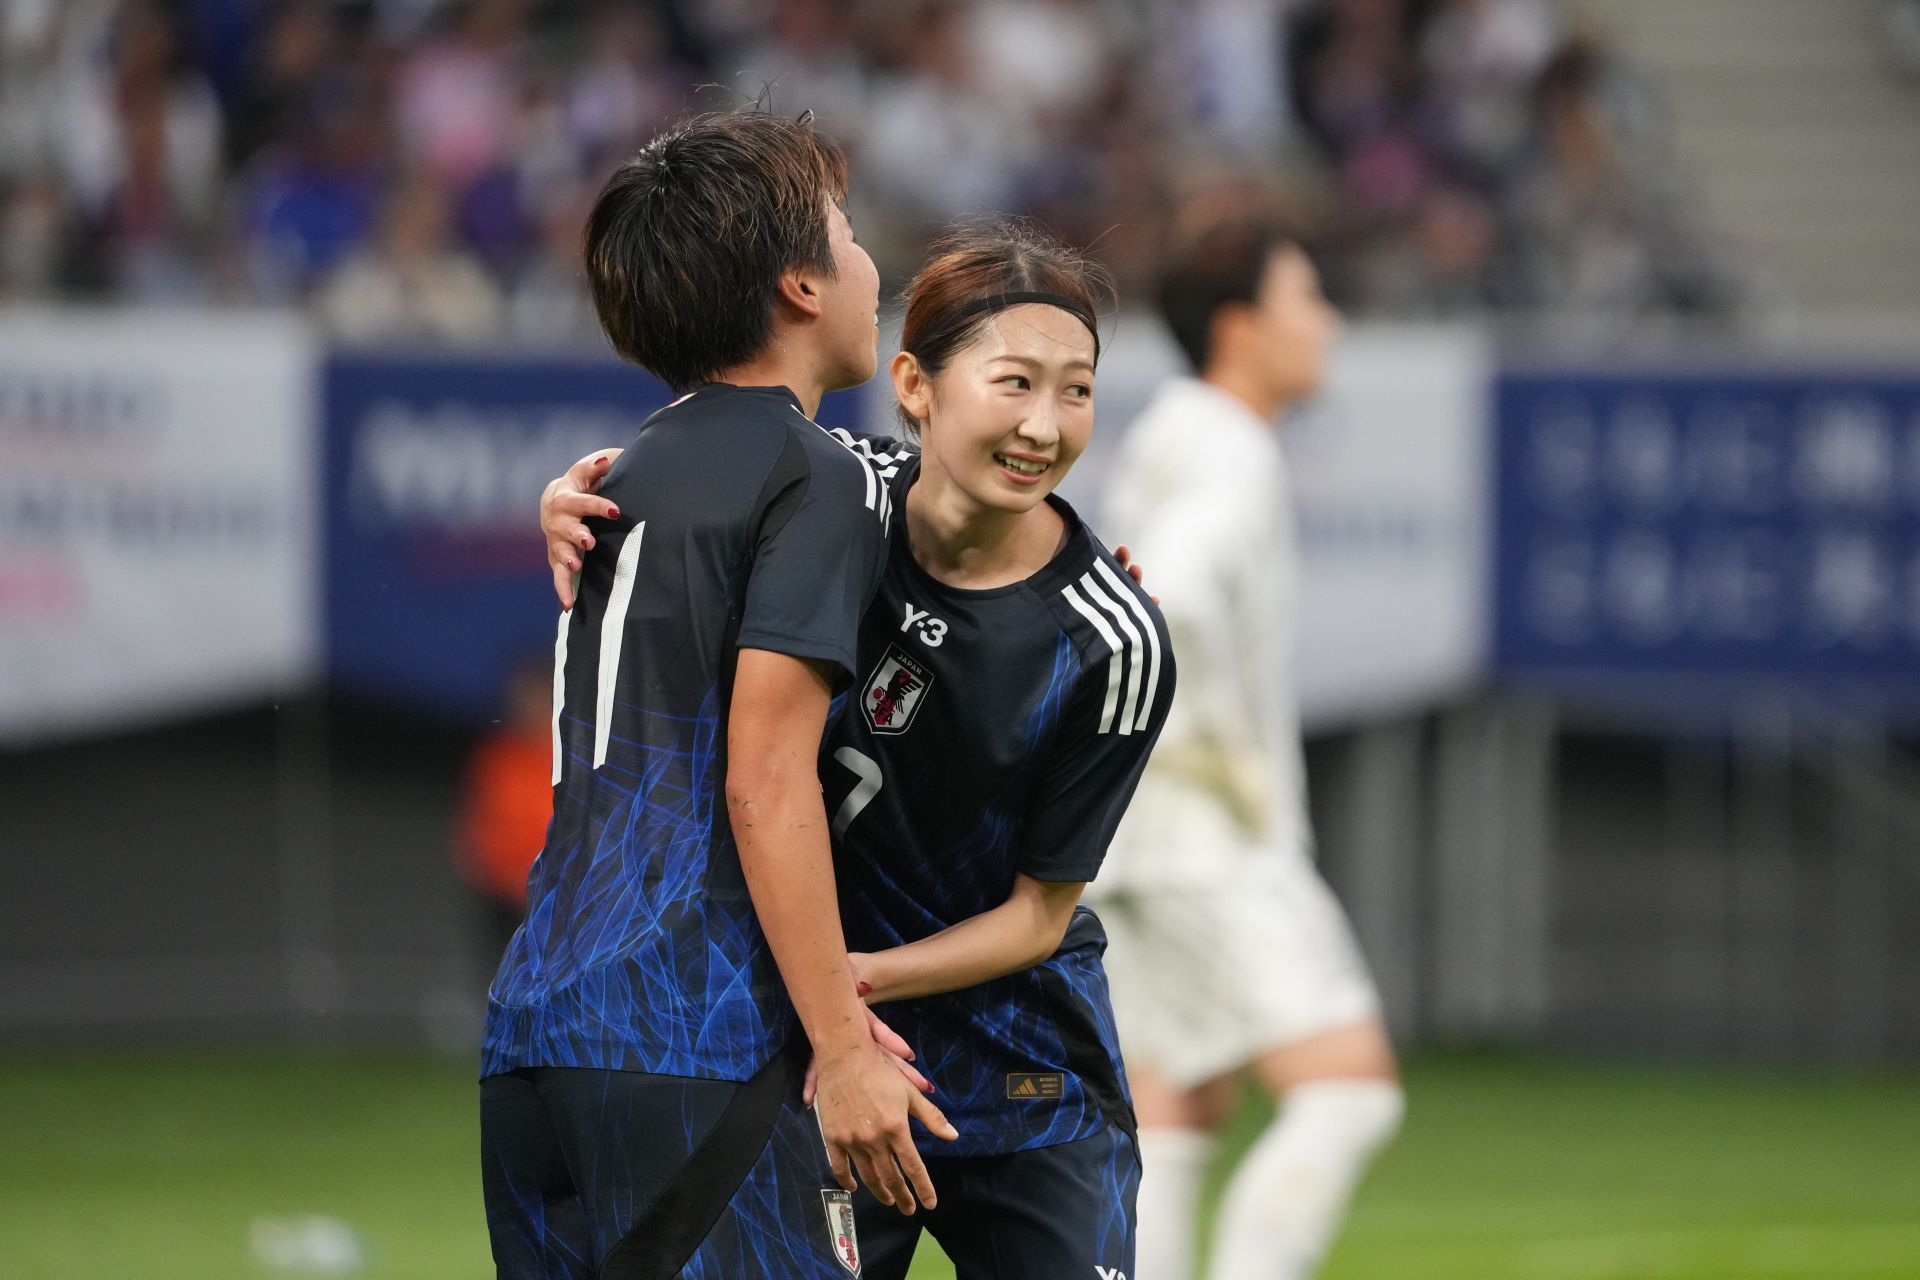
[[1001, 301]]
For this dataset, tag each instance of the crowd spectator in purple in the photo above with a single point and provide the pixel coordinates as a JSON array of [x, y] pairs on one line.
[[457, 96]]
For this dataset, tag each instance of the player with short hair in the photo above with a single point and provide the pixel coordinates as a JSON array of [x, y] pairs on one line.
[[1229, 952], [1015, 680], [643, 1054]]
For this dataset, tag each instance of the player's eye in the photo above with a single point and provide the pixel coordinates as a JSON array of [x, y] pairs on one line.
[[1080, 391], [1017, 380]]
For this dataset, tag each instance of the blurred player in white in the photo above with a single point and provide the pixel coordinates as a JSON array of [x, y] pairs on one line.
[[1228, 952]]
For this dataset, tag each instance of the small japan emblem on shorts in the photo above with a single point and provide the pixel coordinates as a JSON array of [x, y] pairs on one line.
[[846, 1245], [893, 692]]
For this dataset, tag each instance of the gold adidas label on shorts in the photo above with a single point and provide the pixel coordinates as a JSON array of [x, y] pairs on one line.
[[1026, 1085]]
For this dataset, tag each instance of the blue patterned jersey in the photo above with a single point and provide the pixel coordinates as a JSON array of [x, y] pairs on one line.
[[993, 733], [742, 524]]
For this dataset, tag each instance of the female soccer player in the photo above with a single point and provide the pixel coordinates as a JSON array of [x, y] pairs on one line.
[[1016, 679], [638, 1114]]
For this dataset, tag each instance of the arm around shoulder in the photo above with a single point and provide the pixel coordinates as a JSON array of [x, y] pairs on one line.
[[1018, 934]]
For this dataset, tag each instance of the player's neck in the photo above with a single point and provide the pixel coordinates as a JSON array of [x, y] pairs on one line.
[[781, 366], [1245, 387], [963, 544]]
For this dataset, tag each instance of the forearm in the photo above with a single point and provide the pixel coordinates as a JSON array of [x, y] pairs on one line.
[[780, 826], [1016, 935]]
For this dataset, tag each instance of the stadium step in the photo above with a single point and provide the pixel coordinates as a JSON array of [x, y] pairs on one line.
[[1798, 134]]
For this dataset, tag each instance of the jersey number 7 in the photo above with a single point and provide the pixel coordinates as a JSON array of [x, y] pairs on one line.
[[866, 772]]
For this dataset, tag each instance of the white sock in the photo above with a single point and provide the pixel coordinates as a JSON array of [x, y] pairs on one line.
[[1172, 1162], [1285, 1200]]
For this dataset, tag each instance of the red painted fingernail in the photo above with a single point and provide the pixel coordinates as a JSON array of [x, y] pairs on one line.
[[613, 513], [599, 460], [864, 987]]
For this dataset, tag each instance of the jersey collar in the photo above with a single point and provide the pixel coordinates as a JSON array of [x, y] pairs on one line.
[[1066, 565], [776, 392]]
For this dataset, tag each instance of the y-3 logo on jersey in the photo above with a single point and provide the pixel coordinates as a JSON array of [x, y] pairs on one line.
[[932, 630], [894, 691], [1110, 1273]]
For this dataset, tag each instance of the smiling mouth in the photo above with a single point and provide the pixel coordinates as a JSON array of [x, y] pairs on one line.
[[1020, 466]]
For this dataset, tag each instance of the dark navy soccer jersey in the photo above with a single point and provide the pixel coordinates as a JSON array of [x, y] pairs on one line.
[[742, 524], [992, 733]]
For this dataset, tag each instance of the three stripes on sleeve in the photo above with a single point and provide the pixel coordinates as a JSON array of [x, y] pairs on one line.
[[1133, 669]]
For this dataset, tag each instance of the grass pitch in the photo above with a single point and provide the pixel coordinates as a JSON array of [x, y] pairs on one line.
[[168, 1168]]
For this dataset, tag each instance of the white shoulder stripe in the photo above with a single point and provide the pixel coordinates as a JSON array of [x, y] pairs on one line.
[[874, 486], [1107, 633], [613, 629], [1130, 703], [560, 685], [1132, 600]]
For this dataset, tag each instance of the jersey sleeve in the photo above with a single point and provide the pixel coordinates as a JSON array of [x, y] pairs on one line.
[[1098, 754], [819, 547]]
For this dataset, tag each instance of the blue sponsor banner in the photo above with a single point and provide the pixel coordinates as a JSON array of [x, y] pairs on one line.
[[1712, 532], [436, 577]]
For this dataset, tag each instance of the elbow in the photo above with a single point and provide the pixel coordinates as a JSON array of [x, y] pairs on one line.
[[755, 790], [1045, 937], [1044, 911], [744, 791], [1039, 956], [1056, 930]]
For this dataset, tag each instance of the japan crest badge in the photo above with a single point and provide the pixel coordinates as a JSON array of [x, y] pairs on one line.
[[894, 691], [846, 1245]]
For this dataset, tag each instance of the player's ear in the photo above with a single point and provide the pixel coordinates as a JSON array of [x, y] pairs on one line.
[[912, 386], [799, 293]]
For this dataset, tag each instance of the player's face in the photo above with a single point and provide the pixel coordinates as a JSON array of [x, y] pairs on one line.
[[1013, 410], [850, 307], [1296, 325]]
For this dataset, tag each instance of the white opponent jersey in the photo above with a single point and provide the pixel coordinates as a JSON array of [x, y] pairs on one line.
[[1200, 495]]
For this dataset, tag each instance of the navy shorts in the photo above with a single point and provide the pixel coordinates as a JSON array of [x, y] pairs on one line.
[[1051, 1212], [622, 1175]]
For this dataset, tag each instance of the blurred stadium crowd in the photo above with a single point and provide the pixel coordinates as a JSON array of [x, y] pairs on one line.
[[420, 168]]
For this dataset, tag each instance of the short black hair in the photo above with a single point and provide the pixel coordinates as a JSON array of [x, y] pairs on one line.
[[687, 241], [1217, 259]]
